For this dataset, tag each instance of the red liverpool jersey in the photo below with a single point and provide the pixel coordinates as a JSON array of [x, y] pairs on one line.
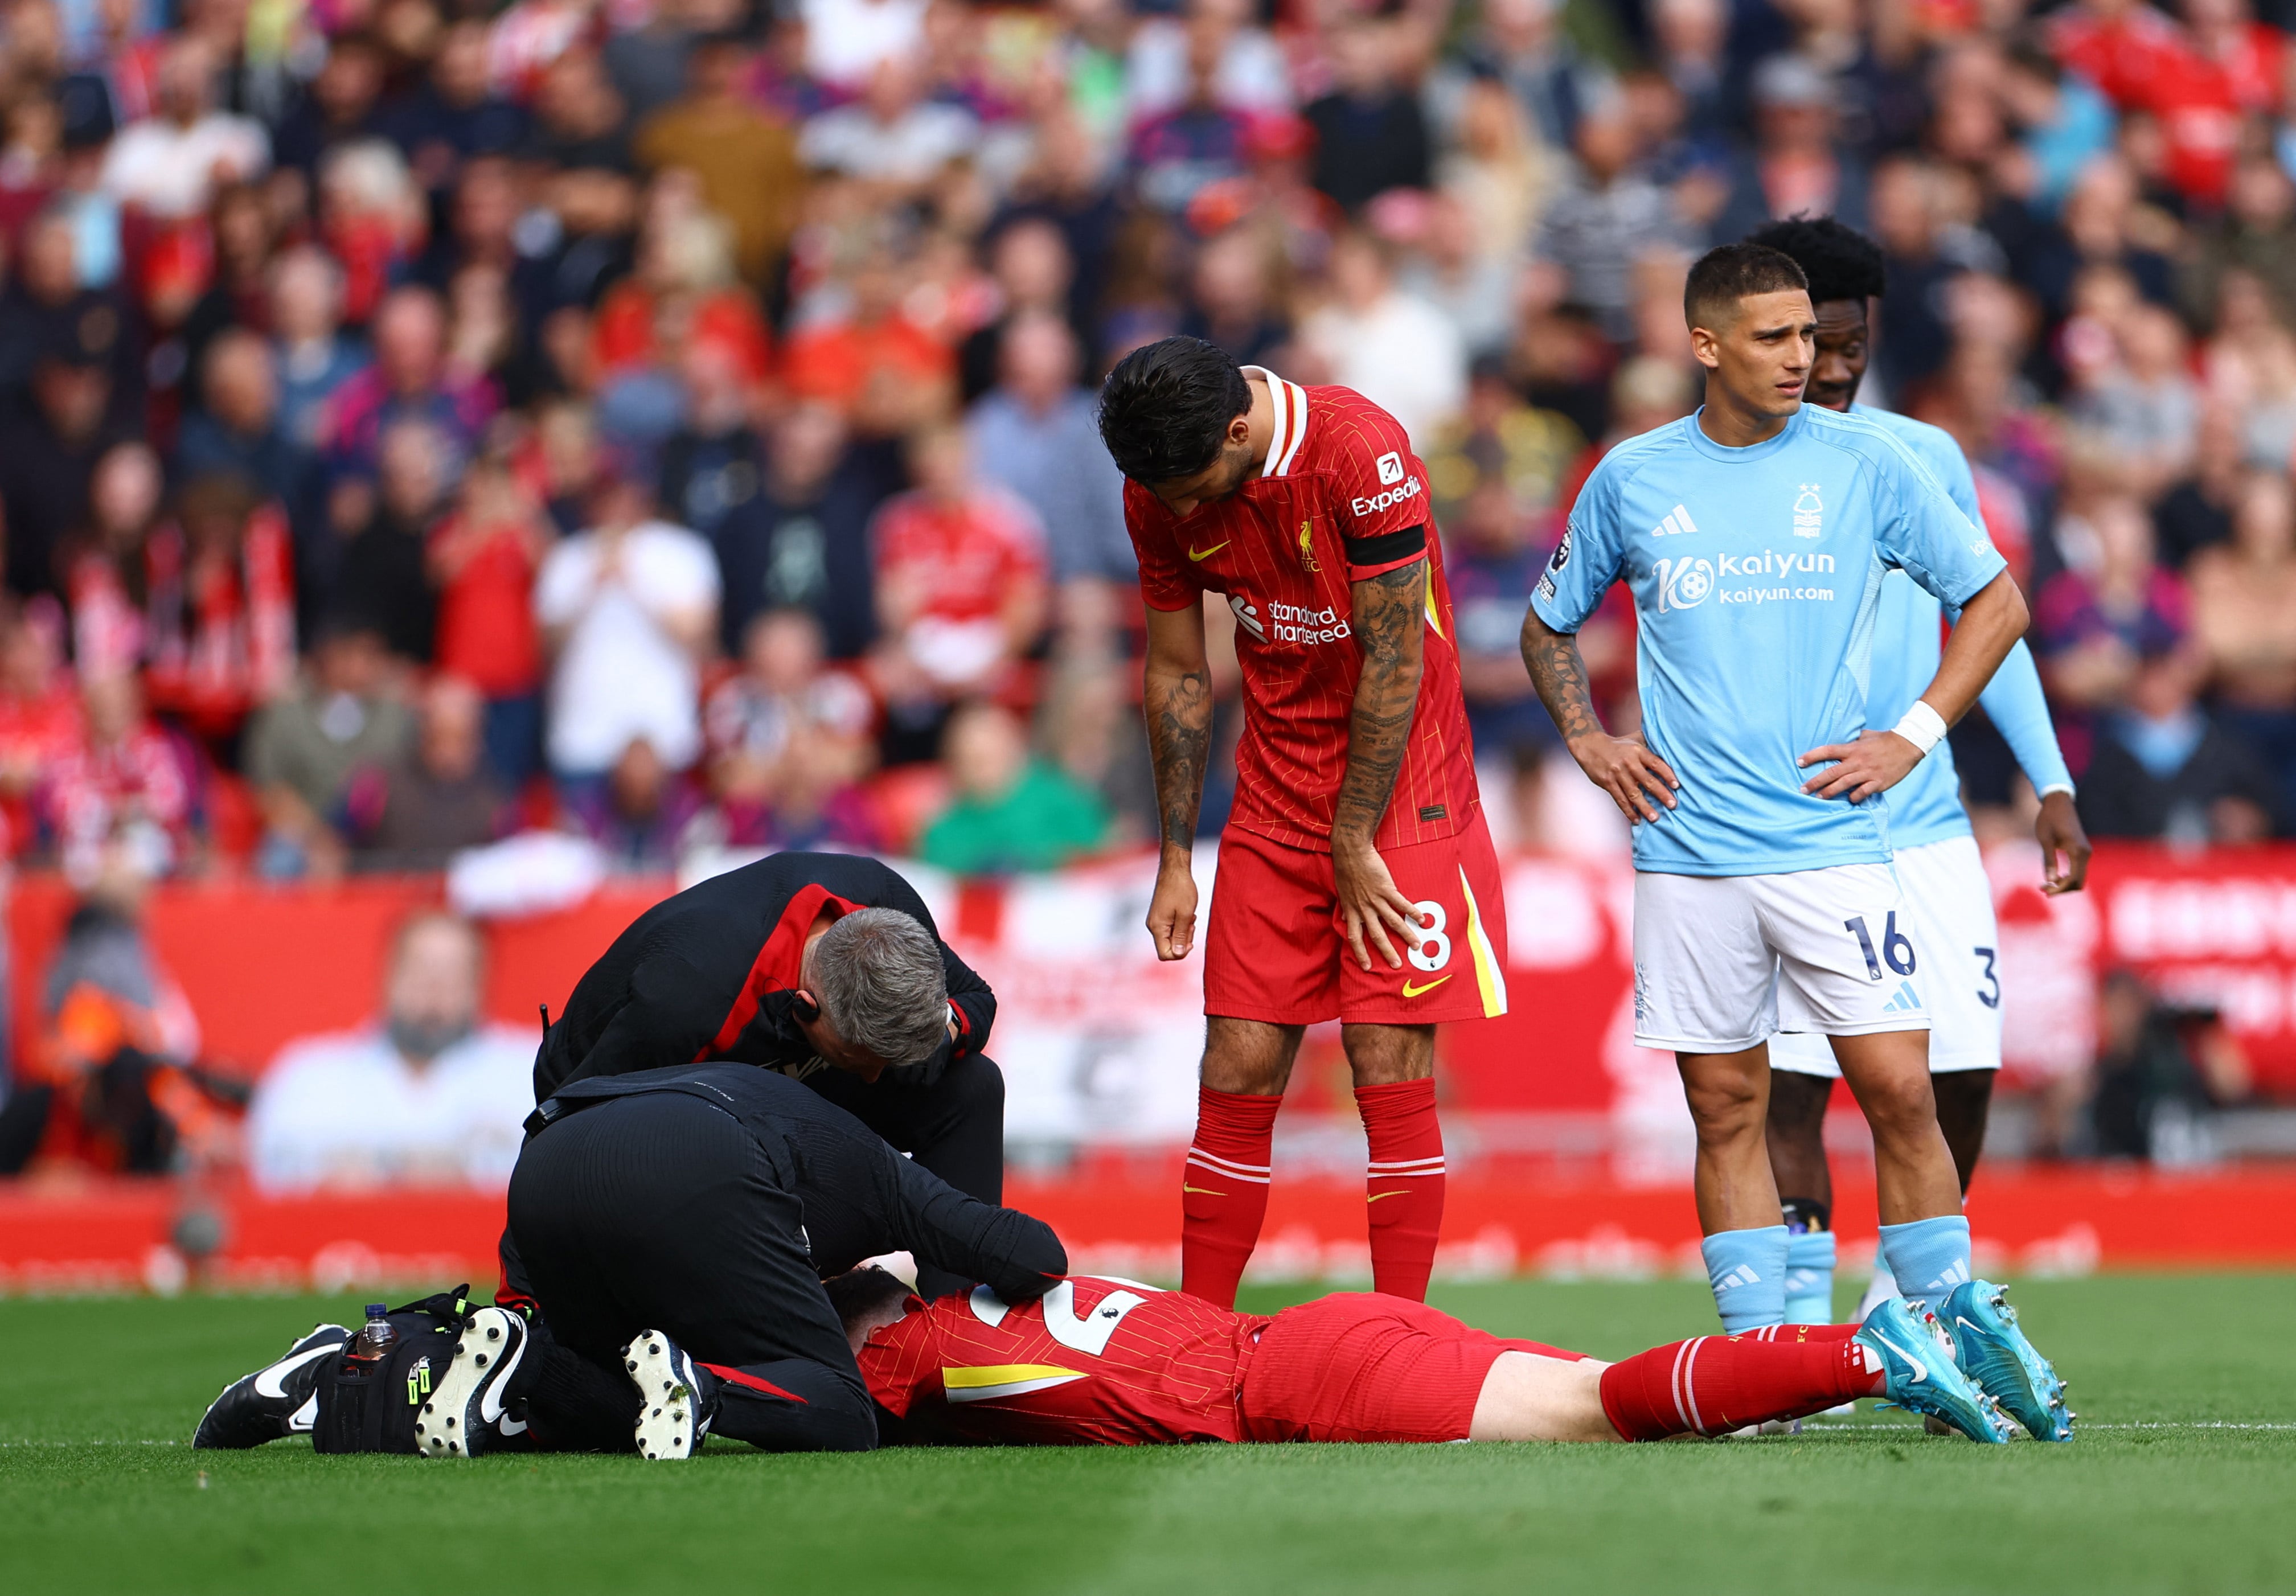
[[1339, 470], [1102, 1363]]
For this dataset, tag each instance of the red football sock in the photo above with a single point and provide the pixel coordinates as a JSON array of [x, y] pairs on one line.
[[1715, 1384], [1405, 1185], [1802, 1332], [1223, 1191]]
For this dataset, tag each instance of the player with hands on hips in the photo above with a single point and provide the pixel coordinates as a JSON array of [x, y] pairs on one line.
[[1756, 536], [1948, 895]]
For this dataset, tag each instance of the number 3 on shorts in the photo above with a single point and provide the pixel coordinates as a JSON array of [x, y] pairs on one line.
[[1892, 940], [1434, 949]]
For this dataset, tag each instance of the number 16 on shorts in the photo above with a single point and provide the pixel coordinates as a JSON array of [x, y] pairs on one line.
[[1721, 963], [1894, 945]]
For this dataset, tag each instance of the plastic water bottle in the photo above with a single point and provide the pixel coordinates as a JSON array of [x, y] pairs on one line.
[[376, 1337]]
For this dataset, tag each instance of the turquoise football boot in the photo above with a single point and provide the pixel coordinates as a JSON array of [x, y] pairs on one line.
[[2003, 1363], [1919, 1373]]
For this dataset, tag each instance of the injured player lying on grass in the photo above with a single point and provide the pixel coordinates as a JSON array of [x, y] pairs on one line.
[[1104, 1362]]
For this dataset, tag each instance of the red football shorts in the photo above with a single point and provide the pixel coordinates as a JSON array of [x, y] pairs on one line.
[[1277, 950], [1364, 1367]]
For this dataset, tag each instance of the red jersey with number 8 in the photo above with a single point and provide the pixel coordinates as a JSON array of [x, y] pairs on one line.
[[1340, 482]]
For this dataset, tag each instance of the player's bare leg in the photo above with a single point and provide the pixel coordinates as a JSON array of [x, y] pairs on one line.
[[1526, 1397], [1248, 1056], [1913, 1167], [1380, 1055], [1796, 1133], [1224, 1184], [1729, 1096], [1964, 1102], [1394, 1068], [1745, 1246], [1924, 1239]]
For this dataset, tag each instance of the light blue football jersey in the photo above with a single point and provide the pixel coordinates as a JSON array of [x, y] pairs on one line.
[[1907, 643], [1756, 576]]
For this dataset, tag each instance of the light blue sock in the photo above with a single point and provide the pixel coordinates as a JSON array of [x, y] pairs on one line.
[[1747, 1270], [1928, 1257], [1810, 1277]]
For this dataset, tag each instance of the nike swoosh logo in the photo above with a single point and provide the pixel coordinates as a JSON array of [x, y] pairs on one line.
[[272, 1382], [1375, 1196], [1920, 1373], [1203, 1190], [1411, 991], [512, 1427], [1208, 553], [491, 1406]]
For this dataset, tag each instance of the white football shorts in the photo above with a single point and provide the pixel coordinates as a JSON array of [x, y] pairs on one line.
[[1948, 915], [1723, 961]]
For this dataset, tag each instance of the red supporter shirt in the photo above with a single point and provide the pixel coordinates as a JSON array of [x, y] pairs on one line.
[[2143, 60], [1339, 468], [487, 632], [967, 557], [1106, 1363]]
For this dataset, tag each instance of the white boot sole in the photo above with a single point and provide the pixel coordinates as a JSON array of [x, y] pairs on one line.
[[666, 1403], [449, 1425]]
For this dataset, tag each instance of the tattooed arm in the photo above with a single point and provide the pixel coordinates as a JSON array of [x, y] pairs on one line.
[[1176, 696], [1622, 766], [1391, 623]]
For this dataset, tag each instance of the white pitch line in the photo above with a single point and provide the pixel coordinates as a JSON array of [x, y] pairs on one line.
[[2078, 1427]]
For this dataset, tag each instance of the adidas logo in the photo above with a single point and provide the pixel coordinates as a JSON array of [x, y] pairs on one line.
[[1906, 1000], [1677, 522], [1953, 1276], [1742, 1275]]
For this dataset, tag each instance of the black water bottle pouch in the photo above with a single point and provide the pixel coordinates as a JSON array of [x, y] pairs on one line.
[[371, 1406]]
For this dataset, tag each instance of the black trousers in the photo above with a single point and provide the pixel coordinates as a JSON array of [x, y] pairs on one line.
[[662, 1212], [954, 1127]]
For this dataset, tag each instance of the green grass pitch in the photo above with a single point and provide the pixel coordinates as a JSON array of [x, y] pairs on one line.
[[2183, 1479]]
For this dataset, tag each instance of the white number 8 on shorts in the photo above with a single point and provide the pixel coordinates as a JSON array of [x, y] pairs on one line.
[[1434, 949]]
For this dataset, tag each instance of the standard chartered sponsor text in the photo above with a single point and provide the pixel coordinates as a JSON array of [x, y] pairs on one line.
[[1296, 623]]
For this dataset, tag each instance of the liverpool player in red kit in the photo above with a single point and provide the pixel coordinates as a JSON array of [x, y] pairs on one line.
[[1112, 1362], [1356, 880]]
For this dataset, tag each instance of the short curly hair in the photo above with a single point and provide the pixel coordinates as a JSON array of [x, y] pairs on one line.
[[1840, 262]]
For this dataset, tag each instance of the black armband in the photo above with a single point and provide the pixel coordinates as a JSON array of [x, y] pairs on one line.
[[1387, 548]]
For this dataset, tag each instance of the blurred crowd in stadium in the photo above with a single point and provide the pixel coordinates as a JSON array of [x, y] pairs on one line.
[[671, 420]]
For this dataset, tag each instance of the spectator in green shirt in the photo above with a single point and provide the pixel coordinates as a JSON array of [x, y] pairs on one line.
[[1012, 811]]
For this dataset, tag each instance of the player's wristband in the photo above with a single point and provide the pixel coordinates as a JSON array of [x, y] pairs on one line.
[[1922, 726], [2064, 787]]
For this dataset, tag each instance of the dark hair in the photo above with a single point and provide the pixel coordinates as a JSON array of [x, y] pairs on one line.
[[1165, 409], [2027, 54], [859, 1293], [1728, 273], [1840, 262]]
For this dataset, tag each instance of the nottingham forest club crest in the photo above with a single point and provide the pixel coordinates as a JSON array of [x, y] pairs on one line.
[[1307, 548], [1808, 512]]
